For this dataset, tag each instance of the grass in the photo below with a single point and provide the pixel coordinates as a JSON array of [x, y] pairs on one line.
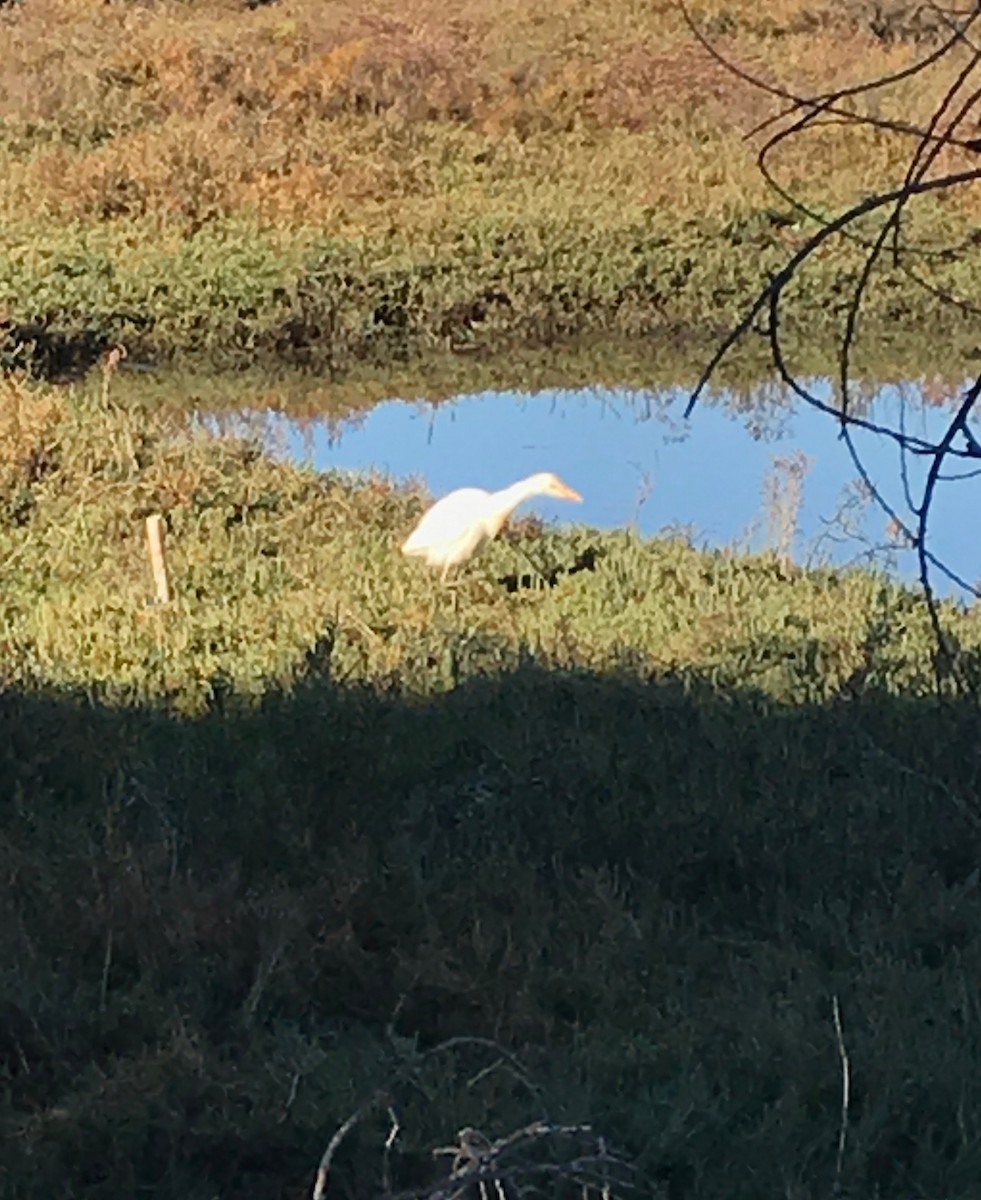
[[268, 848], [373, 182], [607, 841]]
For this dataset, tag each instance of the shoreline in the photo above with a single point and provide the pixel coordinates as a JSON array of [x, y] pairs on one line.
[[233, 294]]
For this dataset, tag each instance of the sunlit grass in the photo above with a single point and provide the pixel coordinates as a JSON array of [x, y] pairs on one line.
[[267, 844], [640, 822], [265, 555], [198, 177]]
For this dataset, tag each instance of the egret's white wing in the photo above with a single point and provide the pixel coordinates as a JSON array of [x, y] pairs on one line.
[[448, 520]]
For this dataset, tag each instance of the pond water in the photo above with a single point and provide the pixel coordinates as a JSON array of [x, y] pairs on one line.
[[767, 474]]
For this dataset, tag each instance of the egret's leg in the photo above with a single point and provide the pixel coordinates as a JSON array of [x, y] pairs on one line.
[[449, 584]]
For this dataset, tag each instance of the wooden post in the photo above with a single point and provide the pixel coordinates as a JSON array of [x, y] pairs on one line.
[[155, 545]]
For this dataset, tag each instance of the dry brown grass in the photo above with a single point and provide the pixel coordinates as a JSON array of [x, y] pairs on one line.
[[195, 175], [296, 110], [29, 428]]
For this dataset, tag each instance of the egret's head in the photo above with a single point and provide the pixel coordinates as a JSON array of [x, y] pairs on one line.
[[552, 485]]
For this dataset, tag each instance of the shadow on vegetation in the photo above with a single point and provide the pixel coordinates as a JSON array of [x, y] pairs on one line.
[[50, 353], [220, 935]]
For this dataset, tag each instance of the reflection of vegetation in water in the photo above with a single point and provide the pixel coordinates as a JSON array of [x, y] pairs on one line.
[[366, 185], [940, 149], [644, 374], [264, 845], [782, 496]]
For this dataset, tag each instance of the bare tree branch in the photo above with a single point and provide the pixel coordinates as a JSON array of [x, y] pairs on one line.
[[946, 129]]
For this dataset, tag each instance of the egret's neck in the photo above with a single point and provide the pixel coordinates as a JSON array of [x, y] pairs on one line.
[[508, 499]]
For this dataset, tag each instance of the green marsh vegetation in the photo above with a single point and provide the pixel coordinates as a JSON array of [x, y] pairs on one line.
[[267, 846], [368, 182], [612, 831]]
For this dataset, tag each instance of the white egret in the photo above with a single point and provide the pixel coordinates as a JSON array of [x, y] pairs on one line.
[[462, 521]]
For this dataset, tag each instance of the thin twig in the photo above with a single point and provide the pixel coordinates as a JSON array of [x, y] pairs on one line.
[[956, 425], [845, 1093], [393, 1133], [771, 293], [106, 966], [291, 1098], [327, 1158]]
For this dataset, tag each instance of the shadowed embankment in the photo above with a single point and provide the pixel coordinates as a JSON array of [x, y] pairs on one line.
[[222, 933]]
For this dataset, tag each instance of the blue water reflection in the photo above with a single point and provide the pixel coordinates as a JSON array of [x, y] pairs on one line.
[[638, 462]]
